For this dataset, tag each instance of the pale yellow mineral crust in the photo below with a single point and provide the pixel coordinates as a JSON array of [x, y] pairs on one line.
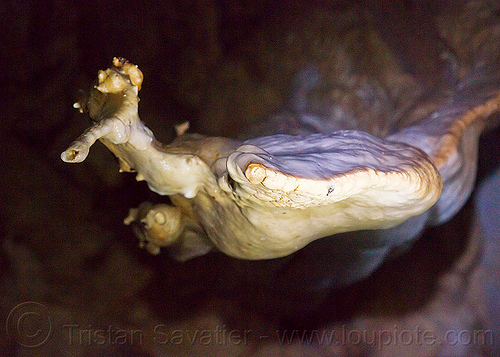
[[264, 198], [162, 225]]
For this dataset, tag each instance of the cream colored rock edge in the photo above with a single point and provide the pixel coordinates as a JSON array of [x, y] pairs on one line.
[[261, 199]]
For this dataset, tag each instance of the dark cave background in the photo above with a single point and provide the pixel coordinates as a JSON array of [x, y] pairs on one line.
[[214, 63]]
